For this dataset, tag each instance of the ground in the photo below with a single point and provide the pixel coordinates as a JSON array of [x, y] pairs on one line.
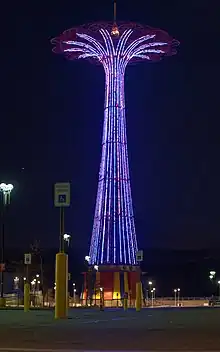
[[167, 329]]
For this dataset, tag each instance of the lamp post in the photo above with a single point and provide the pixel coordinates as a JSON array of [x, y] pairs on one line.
[[16, 283], [175, 292], [96, 268], [178, 297], [212, 274], [5, 189], [218, 289], [154, 294], [152, 298], [74, 293], [74, 296]]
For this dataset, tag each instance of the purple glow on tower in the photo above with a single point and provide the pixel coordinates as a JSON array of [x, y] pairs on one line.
[[113, 237]]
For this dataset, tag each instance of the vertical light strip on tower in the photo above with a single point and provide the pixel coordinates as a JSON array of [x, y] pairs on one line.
[[113, 236]]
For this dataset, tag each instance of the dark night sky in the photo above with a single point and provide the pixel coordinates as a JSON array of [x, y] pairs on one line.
[[51, 124]]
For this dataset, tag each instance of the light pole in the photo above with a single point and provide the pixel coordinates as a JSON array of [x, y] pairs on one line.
[[96, 267], [152, 298], [178, 297], [16, 283], [175, 292], [218, 289], [74, 293], [212, 274], [5, 189], [154, 294], [74, 296]]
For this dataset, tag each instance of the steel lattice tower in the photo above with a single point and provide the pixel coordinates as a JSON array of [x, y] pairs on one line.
[[114, 47]]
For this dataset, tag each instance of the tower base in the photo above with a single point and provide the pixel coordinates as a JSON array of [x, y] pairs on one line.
[[112, 282]]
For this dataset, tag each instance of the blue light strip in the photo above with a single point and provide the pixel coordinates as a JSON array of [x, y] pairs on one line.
[[113, 236]]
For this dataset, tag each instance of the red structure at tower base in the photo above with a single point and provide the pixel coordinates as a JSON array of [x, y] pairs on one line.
[[111, 282]]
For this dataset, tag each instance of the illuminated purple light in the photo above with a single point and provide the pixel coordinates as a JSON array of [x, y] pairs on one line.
[[113, 236]]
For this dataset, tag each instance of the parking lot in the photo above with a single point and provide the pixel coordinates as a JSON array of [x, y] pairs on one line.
[[178, 329]]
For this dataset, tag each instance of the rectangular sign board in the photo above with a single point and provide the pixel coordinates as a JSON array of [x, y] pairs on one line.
[[27, 258], [140, 256], [62, 194]]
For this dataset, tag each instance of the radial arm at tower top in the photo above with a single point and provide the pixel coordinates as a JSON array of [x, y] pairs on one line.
[[113, 237]]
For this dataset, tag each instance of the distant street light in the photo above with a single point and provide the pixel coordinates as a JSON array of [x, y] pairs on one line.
[[66, 239], [16, 283], [175, 292], [74, 294], [5, 189], [87, 258], [152, 298], [212, 272], [218, 289], [178, 296]]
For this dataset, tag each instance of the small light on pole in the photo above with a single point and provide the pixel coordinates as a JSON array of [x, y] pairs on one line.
[[212, 273], [178, 296], [5, 189], [66, 238], [218, 289], [74, 293], [154, 293], [87, 258], [175, 291], [152, 298], [16, 283]]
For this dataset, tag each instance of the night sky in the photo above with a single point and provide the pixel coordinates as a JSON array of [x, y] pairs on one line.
[[51, 124]]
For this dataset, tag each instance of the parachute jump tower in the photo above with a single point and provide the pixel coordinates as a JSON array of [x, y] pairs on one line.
[[113, 244]]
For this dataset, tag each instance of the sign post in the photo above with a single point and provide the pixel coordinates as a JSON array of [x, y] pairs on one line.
[[61, 200], [27, 262]]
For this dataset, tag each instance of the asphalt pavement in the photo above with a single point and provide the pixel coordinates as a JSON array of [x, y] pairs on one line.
[[177, 329]]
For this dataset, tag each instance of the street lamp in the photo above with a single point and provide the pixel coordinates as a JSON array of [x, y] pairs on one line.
[[178, 296], [66, 238], [218, 289], [175, 292], [16, 283], [5, 189], [87, 258], [74, 294], [212, 273]]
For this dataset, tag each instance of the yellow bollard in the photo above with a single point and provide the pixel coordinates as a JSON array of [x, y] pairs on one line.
[[26, 297], [138, 296], [61, 286], [2, 302]]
